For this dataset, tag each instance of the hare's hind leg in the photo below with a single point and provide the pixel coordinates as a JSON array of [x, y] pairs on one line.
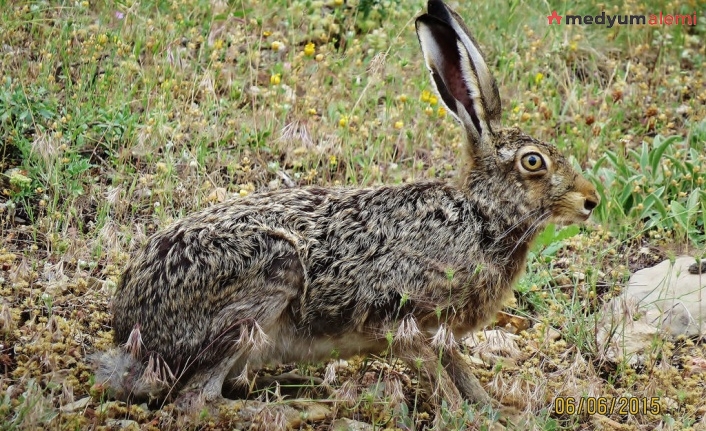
[[206, 385], [412, 346], [449, 374], [461, 373], [426, 360]]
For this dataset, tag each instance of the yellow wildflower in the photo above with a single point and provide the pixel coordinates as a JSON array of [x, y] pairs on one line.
[[309, 49]]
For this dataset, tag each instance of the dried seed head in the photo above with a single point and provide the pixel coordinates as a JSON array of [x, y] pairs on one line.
[[296, 131], [347, 394], [252, 337], [6, 323], [243, 378], [443, 339], [157, 372], [408, 332], [330, 375], [377, 64], [270, 418], [134, 342], [394, 390]]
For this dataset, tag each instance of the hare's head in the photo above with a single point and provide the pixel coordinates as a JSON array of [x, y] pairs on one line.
[[502, 162]]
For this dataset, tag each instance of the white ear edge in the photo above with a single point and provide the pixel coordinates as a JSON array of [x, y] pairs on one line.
[[471, 80], [485, 78], [430, 49], [434, 60], [482, 70]]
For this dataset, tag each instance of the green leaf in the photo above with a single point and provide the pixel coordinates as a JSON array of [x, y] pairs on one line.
[[622, 166], [644, 157], [626, 197], [693, 201], [546, 237], [655, 199], [656, 154], [552, 248], [567, 232], [703, 214], [680, 215], [598, 164], [559, 238]]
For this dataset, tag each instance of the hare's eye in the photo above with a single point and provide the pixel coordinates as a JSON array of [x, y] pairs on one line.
[[533, 162]]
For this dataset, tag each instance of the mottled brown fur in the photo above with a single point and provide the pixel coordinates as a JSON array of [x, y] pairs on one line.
[[299, 274]]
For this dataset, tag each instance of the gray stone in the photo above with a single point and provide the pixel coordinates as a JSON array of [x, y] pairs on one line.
[[346, 424], [666, 300]]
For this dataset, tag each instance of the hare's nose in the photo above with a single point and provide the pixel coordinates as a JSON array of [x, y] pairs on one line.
[[590, 203]]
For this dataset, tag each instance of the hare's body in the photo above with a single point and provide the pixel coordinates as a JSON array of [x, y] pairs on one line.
[[320, 264], [315, 273]]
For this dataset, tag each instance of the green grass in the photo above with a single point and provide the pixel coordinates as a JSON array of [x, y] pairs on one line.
[[118, 117]]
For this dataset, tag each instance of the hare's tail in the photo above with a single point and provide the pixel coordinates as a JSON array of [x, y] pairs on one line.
[[116, 372], [124, 373], [123, 376]]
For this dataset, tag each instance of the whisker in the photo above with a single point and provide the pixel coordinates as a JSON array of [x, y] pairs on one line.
[[533, 227], [525, 217]]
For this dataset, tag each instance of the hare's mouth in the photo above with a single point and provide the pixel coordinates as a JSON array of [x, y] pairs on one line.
[[574, 208], [566, 218]]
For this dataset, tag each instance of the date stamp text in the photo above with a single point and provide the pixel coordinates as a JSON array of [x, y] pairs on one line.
[[606, 406]]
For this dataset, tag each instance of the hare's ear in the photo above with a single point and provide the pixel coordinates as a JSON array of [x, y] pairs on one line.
[[459, 72]]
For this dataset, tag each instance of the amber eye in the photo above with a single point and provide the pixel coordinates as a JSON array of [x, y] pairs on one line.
[[533, 162]]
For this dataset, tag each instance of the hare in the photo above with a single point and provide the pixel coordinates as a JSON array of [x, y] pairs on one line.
[[307, 274]]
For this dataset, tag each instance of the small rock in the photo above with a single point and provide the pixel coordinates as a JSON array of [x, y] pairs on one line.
[[273, 185], [122, 424], [579, 276], [340, 365], [499, 345], [698, 267], [219, 194], [546, 333], [76, 405], [601, 422], [511, 323], [346, 424]]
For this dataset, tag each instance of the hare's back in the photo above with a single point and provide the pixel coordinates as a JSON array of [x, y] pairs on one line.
[[335, 261]]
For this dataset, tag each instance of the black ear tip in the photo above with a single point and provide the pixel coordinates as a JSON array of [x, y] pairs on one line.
[[438, 9], [440, 28], [433, 4]]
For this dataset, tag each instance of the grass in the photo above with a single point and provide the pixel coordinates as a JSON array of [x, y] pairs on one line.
[[118, 117]]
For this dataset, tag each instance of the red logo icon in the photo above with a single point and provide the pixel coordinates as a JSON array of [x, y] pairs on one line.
[[554, 17]]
